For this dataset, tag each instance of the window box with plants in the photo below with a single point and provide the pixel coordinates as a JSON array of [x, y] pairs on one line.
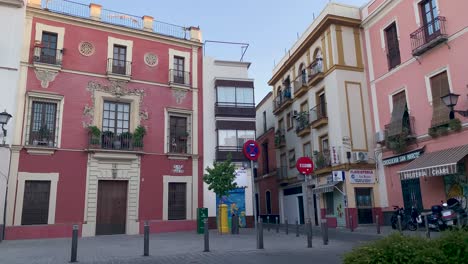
[[453, 125], [399, 143]]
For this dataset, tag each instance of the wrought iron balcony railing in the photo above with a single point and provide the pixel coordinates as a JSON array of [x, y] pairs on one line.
[[120, 67], [318, 112], [302, 122], [315, 68], [282, 98], [45, 138], [428, 36], [48, 56], [280, 138], [300, 82], [178, 145], [110, 141], [322, 159], [179, 77]]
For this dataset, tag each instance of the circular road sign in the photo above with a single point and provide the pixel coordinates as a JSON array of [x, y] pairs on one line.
[[305, 165], [251, 150]]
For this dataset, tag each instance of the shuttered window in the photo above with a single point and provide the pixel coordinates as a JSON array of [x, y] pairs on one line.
[[393, 53], [439, 88], [398, 113], [177, 207], [36, 203]]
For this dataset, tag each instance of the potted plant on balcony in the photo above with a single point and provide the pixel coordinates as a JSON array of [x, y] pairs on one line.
[[94, 135], [126, 139], [107, 139], [44, 135], [319, 158], [138, 136], [455, 125]]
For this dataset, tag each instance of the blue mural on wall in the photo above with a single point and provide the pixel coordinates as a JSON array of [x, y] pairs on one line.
[[236, 205]]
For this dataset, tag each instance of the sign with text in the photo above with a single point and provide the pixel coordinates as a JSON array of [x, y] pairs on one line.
[[402, 158], [338, 176], [305, 165], [361, 176]]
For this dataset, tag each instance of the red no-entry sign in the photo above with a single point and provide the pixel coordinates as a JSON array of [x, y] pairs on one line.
[[305, 165], [251, 150]]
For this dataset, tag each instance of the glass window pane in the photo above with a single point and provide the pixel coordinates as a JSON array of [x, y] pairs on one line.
[[226, 95], [120, 107], [244, 95], [126, 108], [227, 138], [120, 115]]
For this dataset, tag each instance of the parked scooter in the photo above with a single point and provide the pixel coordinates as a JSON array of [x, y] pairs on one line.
[[434, 220], [399, 211], [415, 219], [452, 211]]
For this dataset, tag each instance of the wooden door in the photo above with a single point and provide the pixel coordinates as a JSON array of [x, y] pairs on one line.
[[364, 205], [111, 207], [430, 19], [36, 203]]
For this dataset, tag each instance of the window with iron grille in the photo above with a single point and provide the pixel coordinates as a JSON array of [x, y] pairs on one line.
[[268, 202], [177, 201], [36, 203], [179, 134], [179, 70], [119, 62], [329, 203], [393, 53], [116, 117], [43, 120], [49, 48]]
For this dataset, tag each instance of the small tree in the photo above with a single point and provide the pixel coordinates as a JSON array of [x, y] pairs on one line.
[[220, 178]]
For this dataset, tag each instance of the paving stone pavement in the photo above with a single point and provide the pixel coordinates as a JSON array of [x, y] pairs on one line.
[[187, 248]]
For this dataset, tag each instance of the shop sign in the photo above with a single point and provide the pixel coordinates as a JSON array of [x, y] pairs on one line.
[[338, 176], [428, 172], [335, 156], [329, 179], [241, 177], [402, 158], [362, 176]]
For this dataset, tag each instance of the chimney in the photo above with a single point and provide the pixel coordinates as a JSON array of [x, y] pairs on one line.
[[148, 23], [195, 34], [35, 3], [95, 11]]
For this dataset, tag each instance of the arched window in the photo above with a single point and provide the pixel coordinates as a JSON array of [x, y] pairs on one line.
[[302, 72], [317, 65], [268, 202]]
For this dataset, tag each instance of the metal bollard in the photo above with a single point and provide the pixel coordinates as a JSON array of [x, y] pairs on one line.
[[74, 245], [268, 223], [146, 239], [297, 228], [399, 223], [459, 225], [260, 235], [428, 233], [287, 225], [206, 235], [277, 225], [378, 224], [351, 226], [324, 231], [309, 233]]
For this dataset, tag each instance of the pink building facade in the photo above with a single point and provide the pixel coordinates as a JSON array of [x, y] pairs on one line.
[[110, 129], [415, 54]]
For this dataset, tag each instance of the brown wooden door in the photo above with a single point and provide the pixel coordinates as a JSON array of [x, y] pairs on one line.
[[111, 207]]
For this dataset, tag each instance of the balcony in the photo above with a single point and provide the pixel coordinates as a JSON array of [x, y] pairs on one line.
[[280, 139], [235, 109], [282, 101], [282, 173], [107, 140], [318, 116], [43, 138], [48, 56], [300, 85], [119, 69], [400, 134], [322, 159], [428, 36], [236, 152], [179, 78], [179, 145], [302, 124], [315, 72]]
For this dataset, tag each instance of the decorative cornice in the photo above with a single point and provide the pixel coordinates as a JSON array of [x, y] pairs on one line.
[[45, 76]]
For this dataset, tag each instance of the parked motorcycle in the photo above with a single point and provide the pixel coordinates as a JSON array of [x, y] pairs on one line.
[[415, 219], [399, 211], [452, 211], [434, 220]]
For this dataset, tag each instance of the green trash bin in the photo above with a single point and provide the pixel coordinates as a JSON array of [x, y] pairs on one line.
[[202, 214]]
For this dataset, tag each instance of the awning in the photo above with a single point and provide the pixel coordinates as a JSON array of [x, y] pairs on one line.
[[439, 163], [324, 188]]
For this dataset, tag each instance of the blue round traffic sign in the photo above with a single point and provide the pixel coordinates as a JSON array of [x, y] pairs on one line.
[[251, 150]]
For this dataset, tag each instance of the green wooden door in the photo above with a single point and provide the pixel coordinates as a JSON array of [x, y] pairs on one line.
[[411, 194]]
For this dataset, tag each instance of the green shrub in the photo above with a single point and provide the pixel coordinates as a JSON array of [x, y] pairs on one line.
[[455, 125], [451, 247]]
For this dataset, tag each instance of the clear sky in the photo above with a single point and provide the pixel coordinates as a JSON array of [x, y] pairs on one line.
[[269, 26]]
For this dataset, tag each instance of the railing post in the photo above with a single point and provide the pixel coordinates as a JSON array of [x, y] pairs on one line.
[[377, 223], [260, 234], [287, 226], [277, 225], [148, 23], [324, 231], [268, 223], [95, 11], [309, 233], [399, 224], [74, 245], [206, 235], [146, 239], [459, 225], [297, 228], [428, 233], [195, 34], [351, 226]]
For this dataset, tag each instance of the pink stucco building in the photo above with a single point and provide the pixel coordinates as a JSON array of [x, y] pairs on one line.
[[415, 54], [91, 82]]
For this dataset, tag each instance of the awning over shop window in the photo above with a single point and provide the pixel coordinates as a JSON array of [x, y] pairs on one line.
[[324, 188], [439, 163]]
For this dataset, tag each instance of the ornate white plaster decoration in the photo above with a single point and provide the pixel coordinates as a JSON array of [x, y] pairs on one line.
[[45, 76], [151, 59], [86, 48], [179, 94], [117, 89]]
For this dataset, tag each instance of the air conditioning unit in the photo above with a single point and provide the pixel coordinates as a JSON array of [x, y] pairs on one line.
[[380, 137], [360, 156]]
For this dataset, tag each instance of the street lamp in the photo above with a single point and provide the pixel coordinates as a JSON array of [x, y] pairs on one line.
[[4, 118], [451, 100]]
